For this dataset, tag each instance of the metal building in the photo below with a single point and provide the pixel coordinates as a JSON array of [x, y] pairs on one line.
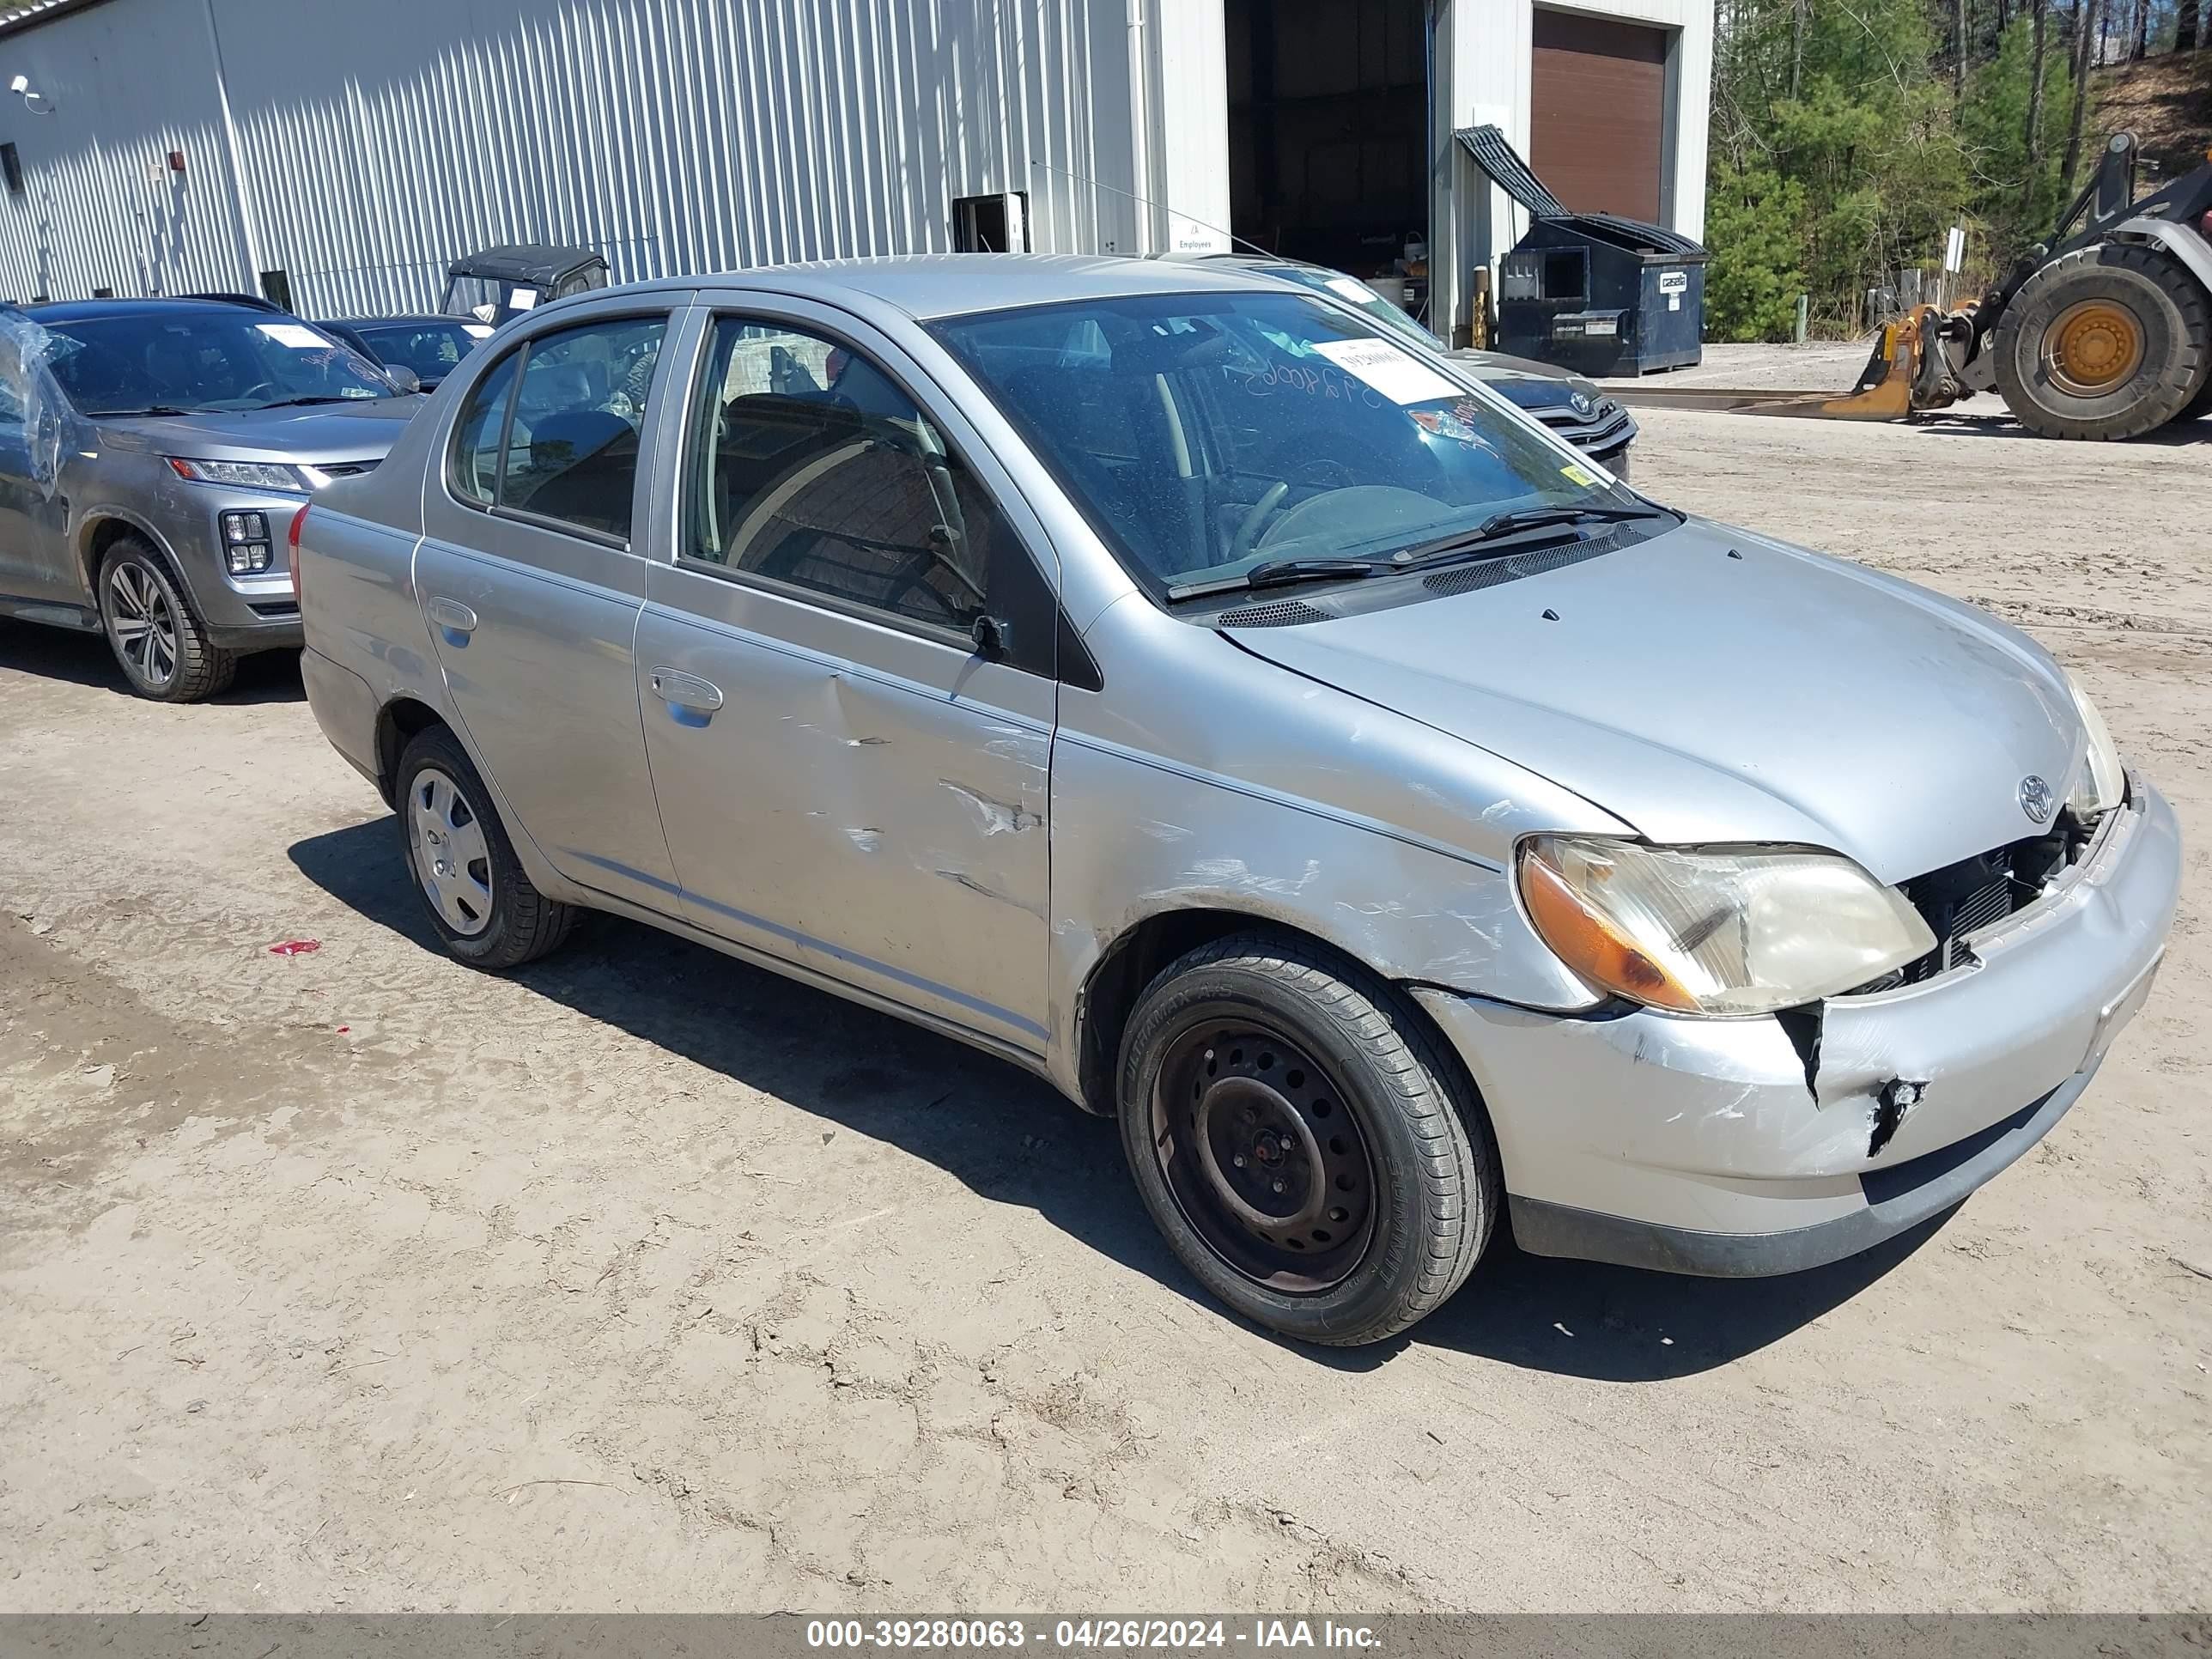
[[340, 154]]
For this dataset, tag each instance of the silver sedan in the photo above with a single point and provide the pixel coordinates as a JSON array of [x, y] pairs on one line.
[[1235, 714]]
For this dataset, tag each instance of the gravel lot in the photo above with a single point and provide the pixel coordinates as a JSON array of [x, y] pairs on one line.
[[644, 1280]]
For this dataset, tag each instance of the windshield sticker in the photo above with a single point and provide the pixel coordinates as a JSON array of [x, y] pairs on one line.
[[478, 330], [1350, 287], [522, 299], [1581, 474], [297, 336], [1398, 375]]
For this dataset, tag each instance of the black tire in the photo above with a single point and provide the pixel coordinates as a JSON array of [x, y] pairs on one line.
[[2171, 319], [159, 642], [2201, 404], [519, 924], [1413, 1231]]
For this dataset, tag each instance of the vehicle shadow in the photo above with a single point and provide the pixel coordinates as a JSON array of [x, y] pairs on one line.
[[82, 658], [1965, 424], [1011, 1139]]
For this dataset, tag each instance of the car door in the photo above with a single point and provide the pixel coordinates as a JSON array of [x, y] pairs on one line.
[[35, 558], [846, 778], [531, 591]]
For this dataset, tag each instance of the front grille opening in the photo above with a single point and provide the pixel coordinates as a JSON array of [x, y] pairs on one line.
[[1962, 899]]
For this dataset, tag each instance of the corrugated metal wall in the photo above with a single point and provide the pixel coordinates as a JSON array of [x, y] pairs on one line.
[[378, 142]]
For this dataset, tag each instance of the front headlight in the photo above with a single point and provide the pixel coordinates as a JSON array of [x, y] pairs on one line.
[[240, 475], [1720, 931], [2102, 782]]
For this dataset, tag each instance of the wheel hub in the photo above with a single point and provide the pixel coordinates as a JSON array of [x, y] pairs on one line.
[[1263, 1157], [1259, 1155], [452, 856], [2094, 346]]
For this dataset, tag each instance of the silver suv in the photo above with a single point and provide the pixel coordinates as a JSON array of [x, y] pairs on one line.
[[1178, 684], [153, 453]]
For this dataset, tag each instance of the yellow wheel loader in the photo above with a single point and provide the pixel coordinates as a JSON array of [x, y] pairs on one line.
[[2105, 331]]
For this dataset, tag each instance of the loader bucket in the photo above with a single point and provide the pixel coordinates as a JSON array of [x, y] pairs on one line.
[[1884, 388]]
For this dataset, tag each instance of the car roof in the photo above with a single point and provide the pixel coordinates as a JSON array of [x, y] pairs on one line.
[[80, 310], [407, 319], [525, 261], [927, 286]]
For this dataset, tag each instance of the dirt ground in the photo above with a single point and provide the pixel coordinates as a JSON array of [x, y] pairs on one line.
[[357, 1280]]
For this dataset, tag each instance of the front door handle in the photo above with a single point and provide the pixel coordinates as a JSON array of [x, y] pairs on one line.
[[673, 686], [452, 614]]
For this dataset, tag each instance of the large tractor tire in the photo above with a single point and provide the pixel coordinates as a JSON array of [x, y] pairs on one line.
[[2110, 341]]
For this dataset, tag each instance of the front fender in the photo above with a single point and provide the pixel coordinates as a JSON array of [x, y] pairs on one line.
[[85, 523], [1134, 840], [2182, 241]]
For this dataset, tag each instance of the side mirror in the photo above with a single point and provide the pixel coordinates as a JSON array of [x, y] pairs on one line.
[[990, 636], [403, 378]]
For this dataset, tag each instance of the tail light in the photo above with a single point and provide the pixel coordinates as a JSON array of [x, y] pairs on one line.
[[292, 541]]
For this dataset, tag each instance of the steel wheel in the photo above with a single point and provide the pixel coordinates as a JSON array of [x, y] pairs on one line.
[[2092, 346], [145, 626], [452, 858], [1263, 1155]]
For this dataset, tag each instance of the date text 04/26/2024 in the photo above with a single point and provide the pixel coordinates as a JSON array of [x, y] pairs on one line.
[[1090, 1635]]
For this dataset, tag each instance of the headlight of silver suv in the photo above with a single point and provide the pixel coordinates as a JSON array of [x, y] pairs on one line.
[[2102, 783], [1715, 931], [240, 474]]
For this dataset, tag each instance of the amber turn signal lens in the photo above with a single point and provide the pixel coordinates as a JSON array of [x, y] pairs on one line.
[[1591, 947]]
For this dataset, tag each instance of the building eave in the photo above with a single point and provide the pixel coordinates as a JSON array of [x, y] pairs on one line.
[[22, 15]]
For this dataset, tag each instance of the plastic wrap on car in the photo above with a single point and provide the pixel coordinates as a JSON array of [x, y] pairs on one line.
[[27, 388]]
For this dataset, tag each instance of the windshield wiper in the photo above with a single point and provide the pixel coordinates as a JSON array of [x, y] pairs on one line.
[[327, 398], [131, 414], [1497, 525], [1284, 572], [1444, 550]]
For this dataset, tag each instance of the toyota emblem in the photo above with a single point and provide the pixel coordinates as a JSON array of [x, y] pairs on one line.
[[1580, 403], [2035, 799]]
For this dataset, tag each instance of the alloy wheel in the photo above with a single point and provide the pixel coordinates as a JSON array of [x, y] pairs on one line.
[[452, 860], [144, 624]]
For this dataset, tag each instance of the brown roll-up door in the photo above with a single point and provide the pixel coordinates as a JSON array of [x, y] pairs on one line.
[[1598, 112]]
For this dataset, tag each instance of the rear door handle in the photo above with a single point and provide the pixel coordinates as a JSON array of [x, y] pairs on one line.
[[684, 691], [452, 613]]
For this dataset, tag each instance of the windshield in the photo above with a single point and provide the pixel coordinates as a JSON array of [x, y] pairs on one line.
[[1210, 435], [488, 298], [432, 350], [1353, 291], [193, 362]]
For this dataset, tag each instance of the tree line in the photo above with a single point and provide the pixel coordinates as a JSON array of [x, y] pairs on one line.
[[1849, 136]]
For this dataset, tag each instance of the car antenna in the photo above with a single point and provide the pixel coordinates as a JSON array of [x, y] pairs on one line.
[[1264, 253]]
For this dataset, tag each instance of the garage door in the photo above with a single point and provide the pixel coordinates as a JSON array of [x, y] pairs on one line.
[[1598, 111]]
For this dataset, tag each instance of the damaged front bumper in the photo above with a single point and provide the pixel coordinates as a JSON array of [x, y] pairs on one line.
[[1760, 1146]]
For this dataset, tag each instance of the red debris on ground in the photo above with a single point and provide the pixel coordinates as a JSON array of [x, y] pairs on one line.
[[295, 947]]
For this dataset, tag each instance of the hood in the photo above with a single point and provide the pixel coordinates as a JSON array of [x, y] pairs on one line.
[[1773, 697], [360, 429], [1527, 384]]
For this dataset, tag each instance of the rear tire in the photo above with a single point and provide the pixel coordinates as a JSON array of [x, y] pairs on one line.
[[1303, 1145], [2110, 341], [485, 909], [159, 642]]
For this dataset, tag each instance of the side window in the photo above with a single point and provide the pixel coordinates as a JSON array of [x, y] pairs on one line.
[[811, 466], [474, 465], [572, 446]]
